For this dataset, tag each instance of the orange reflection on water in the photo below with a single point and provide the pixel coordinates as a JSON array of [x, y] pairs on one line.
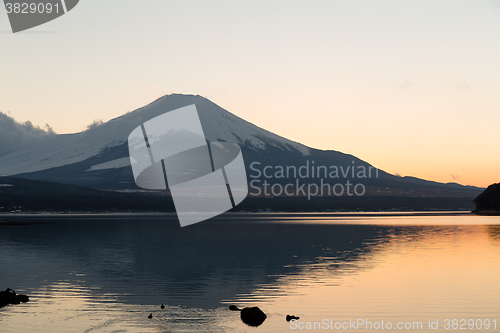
[[415, 273]]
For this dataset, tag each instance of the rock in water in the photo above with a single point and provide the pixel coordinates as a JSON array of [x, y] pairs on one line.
[[253, 316], [9, 296], [250, 316]]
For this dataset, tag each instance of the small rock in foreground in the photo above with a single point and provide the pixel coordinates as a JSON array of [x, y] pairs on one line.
[[9, 296]]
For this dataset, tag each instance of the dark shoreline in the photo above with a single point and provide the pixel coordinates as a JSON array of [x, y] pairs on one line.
[[487, 212], [21, 218], [238, 213]]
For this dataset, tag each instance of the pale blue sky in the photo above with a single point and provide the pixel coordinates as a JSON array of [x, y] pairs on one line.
[[409, 86]]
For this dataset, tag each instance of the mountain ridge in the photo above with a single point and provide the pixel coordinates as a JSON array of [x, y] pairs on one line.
[[98, 157]]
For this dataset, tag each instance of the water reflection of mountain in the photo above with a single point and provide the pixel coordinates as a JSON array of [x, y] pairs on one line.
[[151, 260]]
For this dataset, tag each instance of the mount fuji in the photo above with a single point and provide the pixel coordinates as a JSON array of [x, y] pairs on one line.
[[99, 158]]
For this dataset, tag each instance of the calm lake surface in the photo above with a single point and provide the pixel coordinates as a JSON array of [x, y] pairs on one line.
[[108, 273]]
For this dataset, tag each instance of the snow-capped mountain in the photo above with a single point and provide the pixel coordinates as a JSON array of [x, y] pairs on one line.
[[66, 149], [99, 156]]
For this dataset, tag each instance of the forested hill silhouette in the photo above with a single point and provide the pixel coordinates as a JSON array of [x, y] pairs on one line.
[[488, 202]]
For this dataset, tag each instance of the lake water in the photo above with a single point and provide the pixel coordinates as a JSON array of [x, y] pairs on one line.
[[108, 273]]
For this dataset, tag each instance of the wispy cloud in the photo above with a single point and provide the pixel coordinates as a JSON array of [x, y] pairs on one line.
[[463, 86], [95, 123], [14, 135], [401, 84]]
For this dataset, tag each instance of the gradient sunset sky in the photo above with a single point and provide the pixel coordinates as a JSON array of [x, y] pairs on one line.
[[412, 87]]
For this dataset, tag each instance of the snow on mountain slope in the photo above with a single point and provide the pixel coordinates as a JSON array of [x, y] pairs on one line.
[[65, 149]]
